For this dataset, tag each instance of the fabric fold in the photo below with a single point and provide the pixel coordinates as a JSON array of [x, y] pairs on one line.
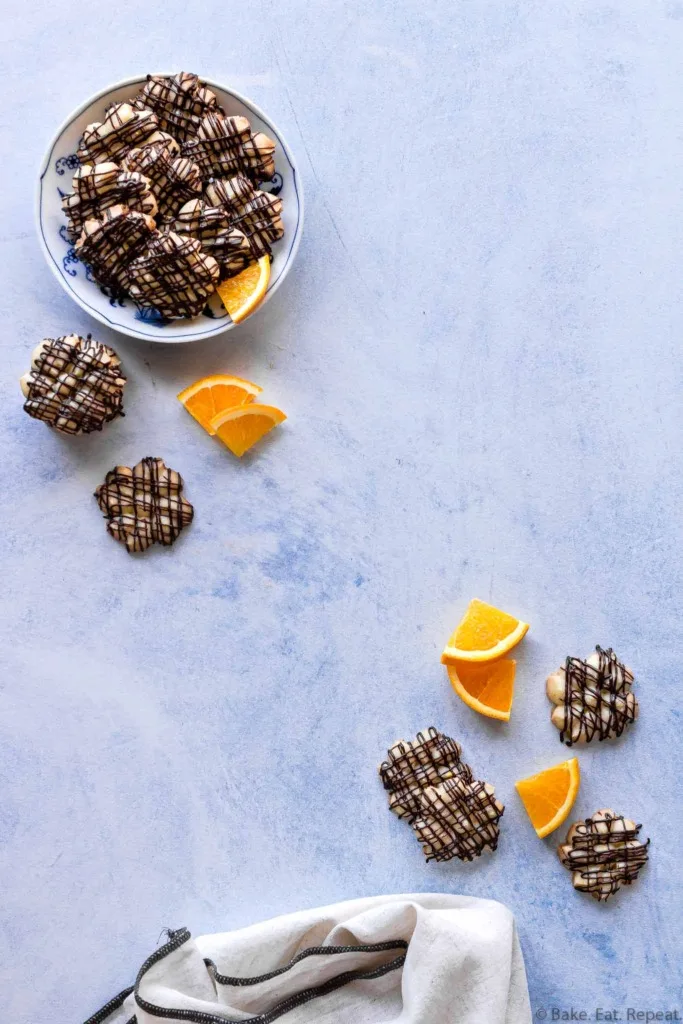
[[415, 959]]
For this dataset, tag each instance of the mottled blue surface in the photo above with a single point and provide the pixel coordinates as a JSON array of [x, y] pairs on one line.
[[480, 352]]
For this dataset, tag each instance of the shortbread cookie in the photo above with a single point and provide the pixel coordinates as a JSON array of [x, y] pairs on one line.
[[160, 139], [593, 698], [173, 276], [74, 385], [179, 102], [413, 765], [96, 187], [211, 226], [174, 179], [458, 818], [258, 214], [603, 853], [123, 129], [144, 505], [225, 146], [110, 243]]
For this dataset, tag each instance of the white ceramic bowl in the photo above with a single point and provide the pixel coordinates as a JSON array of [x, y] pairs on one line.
[[55, 181]]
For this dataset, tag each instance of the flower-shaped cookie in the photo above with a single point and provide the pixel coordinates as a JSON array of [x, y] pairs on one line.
[[97, 187], [256, 213], [74, 385], [174, 179], [603, 853], [179, 102], [123, 128], [211, 226], [144, 505], [458, 818], [173, 275], [592, 698], [108, 245], [225, 146], [413, 765]]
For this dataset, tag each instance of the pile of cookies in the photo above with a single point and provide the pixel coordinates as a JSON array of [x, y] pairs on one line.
[[452, 813], [166, 203]]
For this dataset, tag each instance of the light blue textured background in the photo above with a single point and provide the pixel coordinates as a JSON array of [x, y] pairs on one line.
[[479, 350]]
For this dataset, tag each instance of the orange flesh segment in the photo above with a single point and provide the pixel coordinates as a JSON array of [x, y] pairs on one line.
[[206, 398], [548, 796], [487, 688], [241, 294], [239, 429], [484, 634]]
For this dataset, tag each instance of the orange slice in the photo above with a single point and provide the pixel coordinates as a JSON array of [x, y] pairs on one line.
[[484, 634], [486, 688], [241, 294], [241, 428], [548, 797], [207, 397]]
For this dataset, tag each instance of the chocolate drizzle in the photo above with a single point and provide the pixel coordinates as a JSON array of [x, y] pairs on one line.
[[256, 213], [452, 813], [597, 698], [144, 505], [458, 819], [226, 146], [108, 246], [211, 226], [174, 179], [143, 168], [179, 102], [97, 187], [75, 384], [123, 129], [174, 276], [603, 853], [414, 765]]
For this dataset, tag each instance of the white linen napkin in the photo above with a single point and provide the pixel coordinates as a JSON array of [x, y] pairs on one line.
[[423, 959]]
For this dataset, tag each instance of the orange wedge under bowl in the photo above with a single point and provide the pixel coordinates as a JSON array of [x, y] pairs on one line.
[[484, 634], [208, 397], [549, 796], [241, 428], [487, 688]]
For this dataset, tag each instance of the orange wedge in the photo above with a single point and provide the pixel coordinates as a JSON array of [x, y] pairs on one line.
[[241, 294], [549, 796], [484, 634], [241, 428], [487, 688], [211, 395]]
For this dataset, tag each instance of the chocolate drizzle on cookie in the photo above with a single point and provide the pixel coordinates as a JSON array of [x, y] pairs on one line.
[[144, 505], [593, 698], [458, 819], [75, 384], [225, 146], [123, 128], [174, 179], [256, 213], [108, 245], [97, 187], [603, 853], [452, 813], [212, 228], [173, 275], [413, 765], [179, 102]]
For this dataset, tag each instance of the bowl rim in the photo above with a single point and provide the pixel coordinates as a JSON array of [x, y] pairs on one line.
[[157, 335]]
